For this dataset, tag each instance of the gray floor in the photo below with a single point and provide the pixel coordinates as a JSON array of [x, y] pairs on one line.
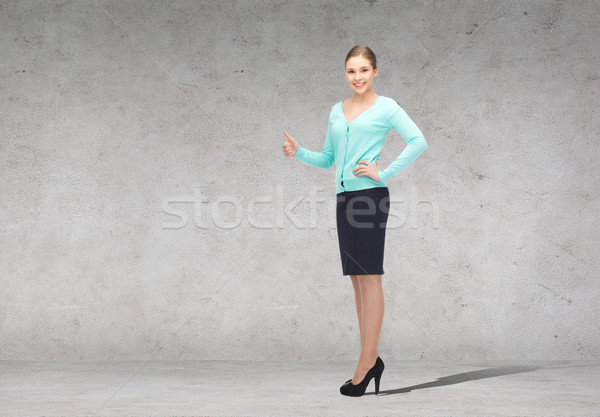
[[309, 388]]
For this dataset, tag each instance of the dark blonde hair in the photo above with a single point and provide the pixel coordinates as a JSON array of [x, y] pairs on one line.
[[364, 51]]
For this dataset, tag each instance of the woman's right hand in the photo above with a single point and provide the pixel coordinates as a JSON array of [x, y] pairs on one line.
[[290, 147]]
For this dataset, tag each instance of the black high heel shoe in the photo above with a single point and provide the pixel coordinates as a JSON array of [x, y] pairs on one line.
[[358, 390]]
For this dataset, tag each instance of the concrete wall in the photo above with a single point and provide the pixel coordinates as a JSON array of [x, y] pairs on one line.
[[119, 116]]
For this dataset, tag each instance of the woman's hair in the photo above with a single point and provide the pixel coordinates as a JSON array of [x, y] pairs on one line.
[[364, 51]]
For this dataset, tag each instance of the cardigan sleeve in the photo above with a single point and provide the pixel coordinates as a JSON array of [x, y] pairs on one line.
[[323, 159], [416, 144]]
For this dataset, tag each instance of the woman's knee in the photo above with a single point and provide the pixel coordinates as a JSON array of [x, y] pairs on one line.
[[370, 280]]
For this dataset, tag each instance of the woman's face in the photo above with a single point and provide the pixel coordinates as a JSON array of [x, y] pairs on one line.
[[359, 71]]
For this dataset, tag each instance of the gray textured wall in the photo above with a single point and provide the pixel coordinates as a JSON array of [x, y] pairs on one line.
[[119, 116]]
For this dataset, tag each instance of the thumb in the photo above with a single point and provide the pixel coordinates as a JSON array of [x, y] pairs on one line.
[[289, 137]]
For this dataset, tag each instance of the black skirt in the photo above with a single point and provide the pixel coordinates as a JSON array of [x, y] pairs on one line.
[[361, 218]]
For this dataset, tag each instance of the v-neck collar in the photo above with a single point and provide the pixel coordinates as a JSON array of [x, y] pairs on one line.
[[358, 115]]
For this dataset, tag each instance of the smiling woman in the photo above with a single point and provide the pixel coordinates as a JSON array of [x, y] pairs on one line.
[[356, 133]]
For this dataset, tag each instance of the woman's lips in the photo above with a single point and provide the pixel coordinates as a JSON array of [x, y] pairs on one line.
[[359, 85]]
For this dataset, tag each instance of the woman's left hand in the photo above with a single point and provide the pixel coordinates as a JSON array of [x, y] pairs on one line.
[[368, 169]]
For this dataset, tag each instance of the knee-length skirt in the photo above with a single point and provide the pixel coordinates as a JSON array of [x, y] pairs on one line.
[[361, 218]]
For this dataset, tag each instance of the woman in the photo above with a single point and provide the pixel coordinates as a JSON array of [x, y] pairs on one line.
[[356, 133]]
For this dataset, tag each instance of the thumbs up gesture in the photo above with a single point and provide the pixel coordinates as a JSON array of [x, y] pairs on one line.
[[290, 146]]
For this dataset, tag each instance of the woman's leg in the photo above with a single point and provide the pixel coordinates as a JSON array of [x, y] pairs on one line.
[[370, 308], [357, 297]]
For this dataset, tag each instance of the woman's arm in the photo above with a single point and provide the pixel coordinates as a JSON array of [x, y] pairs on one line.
[[323, 159], [416, 143]]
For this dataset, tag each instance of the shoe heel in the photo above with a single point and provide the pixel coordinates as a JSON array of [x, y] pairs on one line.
[[378, 376]]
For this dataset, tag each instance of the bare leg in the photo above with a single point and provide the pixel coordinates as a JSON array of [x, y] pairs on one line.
[[370, 308], [357, 297]]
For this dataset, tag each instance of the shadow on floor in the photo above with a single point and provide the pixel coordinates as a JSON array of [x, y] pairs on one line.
[[459, 378]]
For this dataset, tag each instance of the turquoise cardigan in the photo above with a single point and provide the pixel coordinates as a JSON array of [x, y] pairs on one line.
[[363, 138]]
